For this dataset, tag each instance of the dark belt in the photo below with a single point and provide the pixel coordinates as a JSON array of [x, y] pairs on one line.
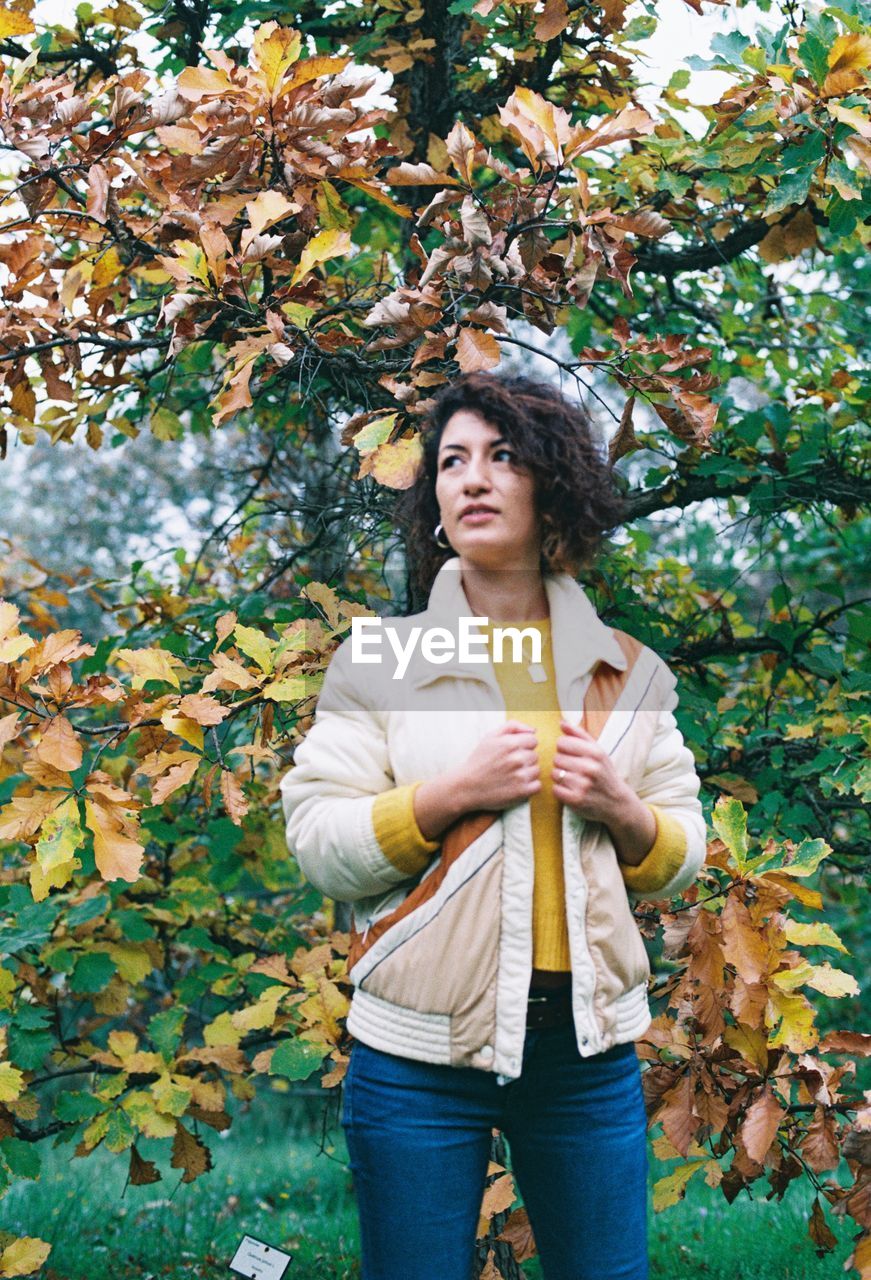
[[549, 1009]]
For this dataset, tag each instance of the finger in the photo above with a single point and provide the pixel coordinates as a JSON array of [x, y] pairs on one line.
[[576, 729], [517, 726], [575, 747]]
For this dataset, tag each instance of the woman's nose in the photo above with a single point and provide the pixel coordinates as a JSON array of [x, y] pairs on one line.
[[477, 473]]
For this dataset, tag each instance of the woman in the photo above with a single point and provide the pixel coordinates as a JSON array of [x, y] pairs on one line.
[[489, 842]]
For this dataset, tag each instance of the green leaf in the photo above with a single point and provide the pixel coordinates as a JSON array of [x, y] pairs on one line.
[[21, 1157], [295, 1059], [73, 1107], [165, 1030], [802, 860], [815, 56], [793, 189], [92, 973], [729, 820], [28, 1049]]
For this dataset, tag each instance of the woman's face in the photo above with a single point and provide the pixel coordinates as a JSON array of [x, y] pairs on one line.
[[477, 467]]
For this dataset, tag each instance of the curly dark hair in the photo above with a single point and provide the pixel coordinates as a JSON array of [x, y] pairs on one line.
[[576, 495]]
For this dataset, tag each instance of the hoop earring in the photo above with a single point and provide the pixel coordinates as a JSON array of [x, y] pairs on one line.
[[446, 546]]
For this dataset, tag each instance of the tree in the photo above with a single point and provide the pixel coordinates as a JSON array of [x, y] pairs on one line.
[[218, 236]]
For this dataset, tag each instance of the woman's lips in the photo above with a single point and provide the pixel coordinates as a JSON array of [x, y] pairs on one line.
[[478, 517]]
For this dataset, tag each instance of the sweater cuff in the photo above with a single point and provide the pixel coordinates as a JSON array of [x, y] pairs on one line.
[[397, 832], [662, 861]]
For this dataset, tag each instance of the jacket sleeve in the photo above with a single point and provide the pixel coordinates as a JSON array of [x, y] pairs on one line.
[[328, 796], [670, 787]]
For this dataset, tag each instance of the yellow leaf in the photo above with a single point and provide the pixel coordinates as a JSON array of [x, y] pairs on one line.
[[795, 1015], [374, 433], [11, 1082], [186, 729], [192, 260], [750, 1043], [24, 1256], [833, 982], [60, 836], [107, 268], [200, 82], [166, 425], [851, 52], [668, 1190], [141, 1109], [254, 1017], [12, 645], [42, 881], [394, 465], [254, 644], [288, 689], [149, 664], [133, 960], [334, 243], [13, 23], [313, 68], [221, 1031], [275, 50], [813, 935]]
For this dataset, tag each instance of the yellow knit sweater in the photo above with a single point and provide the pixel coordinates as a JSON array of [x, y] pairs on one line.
[[533, 702]]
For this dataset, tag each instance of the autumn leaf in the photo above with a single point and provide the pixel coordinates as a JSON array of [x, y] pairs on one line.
[[761, 1122], [461, 146], [477, 350], [150, 664], [23, 1257], [233, 796], [60, 746], [60, 836], [672, 1188], [117, 852], [335, 243], [190, 1154], [14, 23], [176, 777], [274, 52], [142, 1172], [395, 464]]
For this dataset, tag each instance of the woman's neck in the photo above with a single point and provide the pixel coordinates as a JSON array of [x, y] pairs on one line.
[[515, 595]]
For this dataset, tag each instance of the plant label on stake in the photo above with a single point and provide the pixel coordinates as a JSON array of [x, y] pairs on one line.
[[259, 1261]]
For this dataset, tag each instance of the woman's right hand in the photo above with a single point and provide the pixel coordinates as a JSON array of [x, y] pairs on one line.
[[502, 769]]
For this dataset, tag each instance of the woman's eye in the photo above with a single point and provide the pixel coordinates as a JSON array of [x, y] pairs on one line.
[[508, 452]]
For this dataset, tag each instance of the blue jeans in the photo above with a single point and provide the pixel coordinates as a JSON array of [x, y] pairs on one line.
[[418, 1139]]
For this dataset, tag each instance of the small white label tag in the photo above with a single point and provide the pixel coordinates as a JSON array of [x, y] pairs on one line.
[[537, 672], [259, 1261]]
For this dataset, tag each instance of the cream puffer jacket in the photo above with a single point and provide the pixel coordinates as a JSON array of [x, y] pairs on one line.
[[441, 961]]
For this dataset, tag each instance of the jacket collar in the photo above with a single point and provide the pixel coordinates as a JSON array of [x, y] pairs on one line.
[[579, 637]]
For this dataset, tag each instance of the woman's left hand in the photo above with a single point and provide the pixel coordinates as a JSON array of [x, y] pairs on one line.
[[590, 784]]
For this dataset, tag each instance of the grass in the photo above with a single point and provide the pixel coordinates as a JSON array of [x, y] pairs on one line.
[[281, 1175]]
